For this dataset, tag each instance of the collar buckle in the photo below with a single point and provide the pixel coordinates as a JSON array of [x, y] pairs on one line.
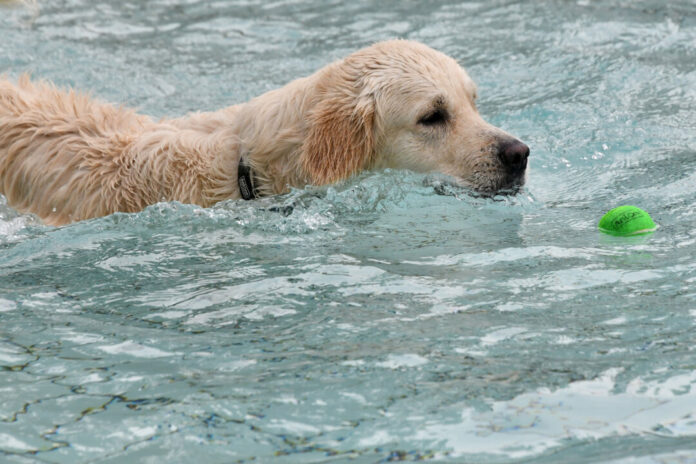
[[245, 180]]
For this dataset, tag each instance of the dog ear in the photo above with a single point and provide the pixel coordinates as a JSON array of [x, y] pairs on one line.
[[340, 139]]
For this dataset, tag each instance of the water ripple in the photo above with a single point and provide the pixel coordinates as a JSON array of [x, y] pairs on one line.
[[390, 317]]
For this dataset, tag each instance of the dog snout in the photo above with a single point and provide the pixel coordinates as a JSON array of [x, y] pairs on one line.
[[513, 155]]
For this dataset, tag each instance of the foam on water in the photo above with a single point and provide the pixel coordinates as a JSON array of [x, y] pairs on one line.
[[389, 317]]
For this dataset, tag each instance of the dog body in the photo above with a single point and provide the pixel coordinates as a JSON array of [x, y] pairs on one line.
[[399, 104]]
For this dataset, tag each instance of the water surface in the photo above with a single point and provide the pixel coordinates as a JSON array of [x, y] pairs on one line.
[[380, 320]]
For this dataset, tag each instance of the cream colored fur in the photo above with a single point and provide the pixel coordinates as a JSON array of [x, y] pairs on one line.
[[67, 157]]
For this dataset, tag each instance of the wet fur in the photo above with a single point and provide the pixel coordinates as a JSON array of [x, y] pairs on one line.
[[65, 156]]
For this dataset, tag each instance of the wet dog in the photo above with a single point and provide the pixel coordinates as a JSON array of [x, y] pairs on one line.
[[398, 104]]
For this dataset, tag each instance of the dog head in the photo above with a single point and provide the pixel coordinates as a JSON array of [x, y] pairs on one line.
[[400, 104]]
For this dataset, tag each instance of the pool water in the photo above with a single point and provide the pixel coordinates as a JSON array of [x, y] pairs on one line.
[[385, 318]]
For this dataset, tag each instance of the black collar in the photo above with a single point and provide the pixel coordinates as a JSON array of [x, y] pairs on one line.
[[246, 181]]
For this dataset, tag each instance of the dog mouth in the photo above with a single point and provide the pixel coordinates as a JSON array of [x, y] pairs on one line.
[[511, 184], [488, 187]]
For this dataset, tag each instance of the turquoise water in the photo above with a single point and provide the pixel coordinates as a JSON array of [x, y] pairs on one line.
[[384, 318]]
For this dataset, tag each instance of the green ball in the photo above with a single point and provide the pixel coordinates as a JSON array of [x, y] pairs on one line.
[[627, 220]]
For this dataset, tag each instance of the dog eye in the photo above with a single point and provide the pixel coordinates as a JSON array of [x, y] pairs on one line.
[[436, 118]]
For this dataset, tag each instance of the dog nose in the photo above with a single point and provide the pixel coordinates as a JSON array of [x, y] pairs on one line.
[[514, 156]]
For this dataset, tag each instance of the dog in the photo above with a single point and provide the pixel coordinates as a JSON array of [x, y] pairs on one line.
[[398, 104]]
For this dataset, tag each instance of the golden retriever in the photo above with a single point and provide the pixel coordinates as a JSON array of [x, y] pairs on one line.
[[396, 104]]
